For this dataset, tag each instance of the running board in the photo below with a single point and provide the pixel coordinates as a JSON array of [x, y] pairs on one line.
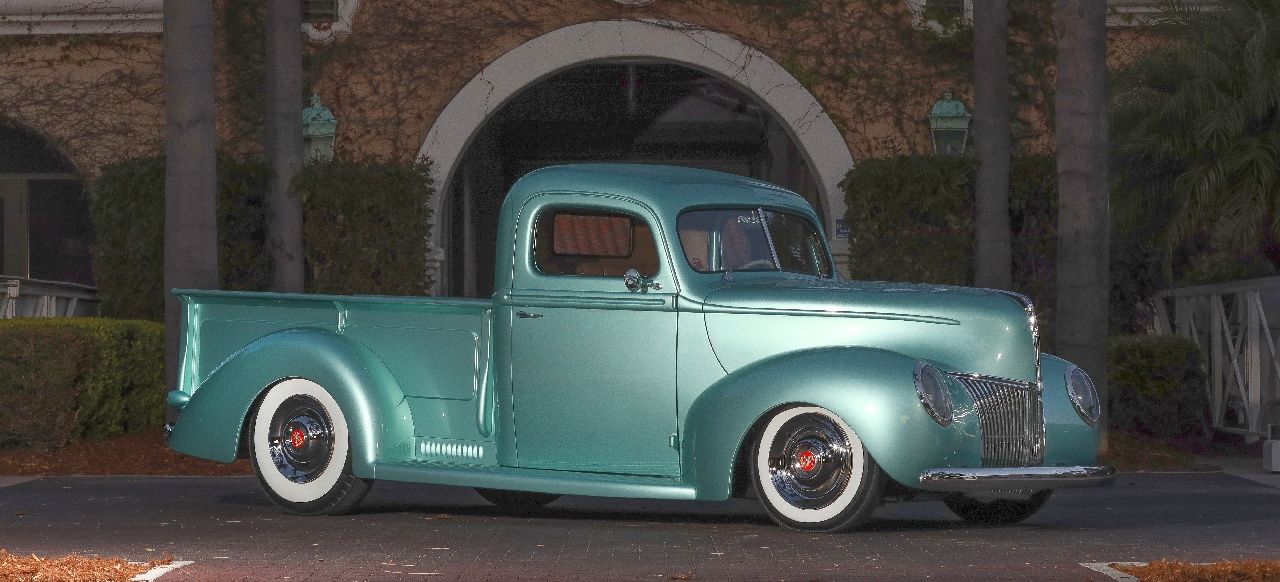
[[539, 480]]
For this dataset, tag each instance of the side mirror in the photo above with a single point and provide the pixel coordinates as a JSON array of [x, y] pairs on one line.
[[635, 282], [632, 280]]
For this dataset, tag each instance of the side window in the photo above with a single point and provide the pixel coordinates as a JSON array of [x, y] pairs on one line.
[[592, 243]]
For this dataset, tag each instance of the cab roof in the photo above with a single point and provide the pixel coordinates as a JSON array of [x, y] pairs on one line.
[[666, 189]]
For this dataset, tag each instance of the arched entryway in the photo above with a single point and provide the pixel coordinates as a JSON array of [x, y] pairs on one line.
[[44, 215], [620, 91]]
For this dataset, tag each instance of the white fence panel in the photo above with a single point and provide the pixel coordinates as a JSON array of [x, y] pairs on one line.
[[23, 297], [1231, 322]]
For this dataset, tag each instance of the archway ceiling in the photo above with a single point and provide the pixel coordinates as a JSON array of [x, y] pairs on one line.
[[821, 143]]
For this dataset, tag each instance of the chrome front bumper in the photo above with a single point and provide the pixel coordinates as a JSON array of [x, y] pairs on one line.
[[990, 479]]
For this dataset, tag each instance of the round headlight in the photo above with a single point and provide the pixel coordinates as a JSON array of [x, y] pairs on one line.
[[931, 386], [1083, 395]]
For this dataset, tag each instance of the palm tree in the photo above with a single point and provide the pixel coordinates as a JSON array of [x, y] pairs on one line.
[[993, 260], [284, 142], [1084, 223], [190, 181], [1207, 106]]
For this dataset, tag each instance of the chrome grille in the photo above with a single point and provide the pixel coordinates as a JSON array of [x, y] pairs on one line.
[[1012, 419]]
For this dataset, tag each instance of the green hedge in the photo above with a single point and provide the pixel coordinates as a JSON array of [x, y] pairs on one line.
[[366, 227], [85, 377], [1156, 385], [372, 217], [911, 218], [127, 210]]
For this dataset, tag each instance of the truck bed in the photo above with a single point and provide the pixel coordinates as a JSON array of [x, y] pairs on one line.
[[436, 348]]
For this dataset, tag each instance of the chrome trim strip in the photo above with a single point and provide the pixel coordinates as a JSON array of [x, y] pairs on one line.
[[1030, 308], [1013, 479], [772, 249]]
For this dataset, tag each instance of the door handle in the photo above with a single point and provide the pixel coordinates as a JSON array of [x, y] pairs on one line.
[[527, 315]]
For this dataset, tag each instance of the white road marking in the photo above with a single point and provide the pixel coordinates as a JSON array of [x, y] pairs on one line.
[[158, 571], [9, 481], [1105, 568]]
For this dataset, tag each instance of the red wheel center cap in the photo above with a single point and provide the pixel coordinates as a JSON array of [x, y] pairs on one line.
[[807, 460], [297, 438]]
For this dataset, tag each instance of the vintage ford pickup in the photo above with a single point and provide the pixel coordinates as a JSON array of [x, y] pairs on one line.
[[656, 332]]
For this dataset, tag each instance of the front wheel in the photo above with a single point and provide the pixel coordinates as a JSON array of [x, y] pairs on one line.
[[996, 511], [812, 473], [301, 451]]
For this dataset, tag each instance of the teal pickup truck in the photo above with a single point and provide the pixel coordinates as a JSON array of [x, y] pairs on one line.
[[656, 332]]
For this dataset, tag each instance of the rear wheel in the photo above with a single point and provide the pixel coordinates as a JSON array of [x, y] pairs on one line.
[[996, 511], [301, 451], [518, 501], [812, 473]]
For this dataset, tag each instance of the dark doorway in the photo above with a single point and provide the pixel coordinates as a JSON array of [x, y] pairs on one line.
[[44, 214], [644, 112]]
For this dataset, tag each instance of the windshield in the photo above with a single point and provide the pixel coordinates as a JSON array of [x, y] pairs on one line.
[[752, 239]]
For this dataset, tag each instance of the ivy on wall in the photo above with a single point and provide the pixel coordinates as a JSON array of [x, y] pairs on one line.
[[97, 98], [875, 74], [242, 51]]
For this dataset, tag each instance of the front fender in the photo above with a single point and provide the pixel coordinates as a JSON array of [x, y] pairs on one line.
[[873, 390], [1068, 441], [211, 423]]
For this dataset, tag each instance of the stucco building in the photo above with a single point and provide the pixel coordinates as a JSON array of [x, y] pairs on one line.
[[793, 92]]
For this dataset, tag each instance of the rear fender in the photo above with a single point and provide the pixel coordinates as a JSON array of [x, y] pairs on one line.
[[872, 390], [211, 423]]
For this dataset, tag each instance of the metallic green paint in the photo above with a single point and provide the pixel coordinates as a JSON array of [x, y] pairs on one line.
[[211, 424], [1068, 440], [967, 330], [466, 392], [871, 389], [177, 399]]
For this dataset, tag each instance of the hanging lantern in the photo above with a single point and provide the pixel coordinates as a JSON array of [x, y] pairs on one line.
[[319, 127], [949, 125]]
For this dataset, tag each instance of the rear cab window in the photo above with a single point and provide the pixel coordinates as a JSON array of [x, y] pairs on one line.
[[592, 243]]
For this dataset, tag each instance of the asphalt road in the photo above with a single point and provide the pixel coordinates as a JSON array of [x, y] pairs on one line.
[[420, 532]]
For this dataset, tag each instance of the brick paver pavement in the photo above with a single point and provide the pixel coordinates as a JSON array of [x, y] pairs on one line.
[[420, 532]]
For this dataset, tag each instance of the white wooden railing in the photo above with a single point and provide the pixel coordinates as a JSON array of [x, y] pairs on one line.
[[1233, 324], [23, 297]]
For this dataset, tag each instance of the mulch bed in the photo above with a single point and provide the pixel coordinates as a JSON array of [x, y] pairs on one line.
[[71, 568], [1224, 571], [142, 453], [1136, 452]]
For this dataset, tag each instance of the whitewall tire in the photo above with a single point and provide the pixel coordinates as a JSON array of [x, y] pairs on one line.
[[300, 445], [812, 473]]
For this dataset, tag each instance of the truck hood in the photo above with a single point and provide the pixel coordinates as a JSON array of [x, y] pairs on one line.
[[962, 329]]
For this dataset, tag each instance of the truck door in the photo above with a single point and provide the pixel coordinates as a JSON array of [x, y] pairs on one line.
[[593, 361]]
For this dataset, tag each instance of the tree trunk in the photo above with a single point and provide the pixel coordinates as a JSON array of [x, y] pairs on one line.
[[284, 142], [190, 178], [993, 263], [1084, 221]]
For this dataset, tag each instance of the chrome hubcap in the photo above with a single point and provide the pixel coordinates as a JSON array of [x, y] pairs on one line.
[[300, 439], [809, 461]]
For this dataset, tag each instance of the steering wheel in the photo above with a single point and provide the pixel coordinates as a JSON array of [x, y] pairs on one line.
[[756, 263]]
